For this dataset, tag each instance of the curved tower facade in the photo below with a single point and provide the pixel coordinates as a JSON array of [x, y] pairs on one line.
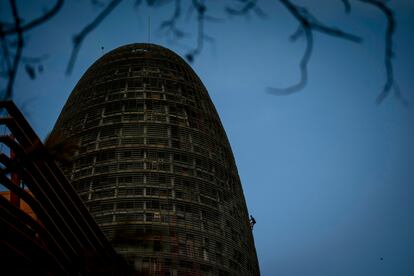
[[154, 166]]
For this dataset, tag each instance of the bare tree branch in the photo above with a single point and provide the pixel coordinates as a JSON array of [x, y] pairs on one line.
[[347, 6], [246, 8], [334, 32], [307, 24], [303, 68], [11, 48], [297, 34], [171, 24], [389, 54], [38, 21], [304, 28], [79, 38], [19, 49], [97, 3], [18, 29], [200, 9], [5, 51]]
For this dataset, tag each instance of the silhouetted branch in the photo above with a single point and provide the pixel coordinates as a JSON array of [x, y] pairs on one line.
[[298, 33], [36, 22], [17, 29], [97, 3], [307, 24], [19, 48], [170, 24], [5, 52], [347, 6], [250, 5], [79, 38], [12, 36], [315, 25], [200, 9], [303, 68], [389, 54]]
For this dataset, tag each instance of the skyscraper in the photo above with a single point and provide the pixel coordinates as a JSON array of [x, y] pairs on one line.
[[154, 165]]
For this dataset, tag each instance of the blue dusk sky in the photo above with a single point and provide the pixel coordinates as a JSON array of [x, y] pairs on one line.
[[327, 173]]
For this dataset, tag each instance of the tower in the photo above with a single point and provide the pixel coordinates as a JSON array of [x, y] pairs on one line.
[[154, 165]]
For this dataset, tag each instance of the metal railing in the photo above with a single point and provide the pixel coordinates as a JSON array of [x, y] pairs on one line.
[[63, 238]]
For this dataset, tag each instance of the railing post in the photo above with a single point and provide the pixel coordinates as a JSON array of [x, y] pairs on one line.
[[14, 199]]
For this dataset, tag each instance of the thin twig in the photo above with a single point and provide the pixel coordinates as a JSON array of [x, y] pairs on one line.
[[389, 54], [79, 38], [19, 49], [245, 9], [306, 29], [171, 24], [307, 24], [303, 68], [200, 9], [347, 6], [334, 32], [38, 21], [5, 51], [297, 34]]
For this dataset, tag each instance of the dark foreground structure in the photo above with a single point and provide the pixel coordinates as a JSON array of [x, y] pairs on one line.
[[53, 234], [154, 166]]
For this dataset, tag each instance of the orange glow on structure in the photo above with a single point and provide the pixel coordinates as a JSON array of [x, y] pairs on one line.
[[22, 205]]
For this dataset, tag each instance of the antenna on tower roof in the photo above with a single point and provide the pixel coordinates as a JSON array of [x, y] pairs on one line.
[[149, 28]]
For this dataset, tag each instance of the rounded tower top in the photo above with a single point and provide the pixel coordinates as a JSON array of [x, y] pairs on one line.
[[155, 167], [148, 50], [141, 51]]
